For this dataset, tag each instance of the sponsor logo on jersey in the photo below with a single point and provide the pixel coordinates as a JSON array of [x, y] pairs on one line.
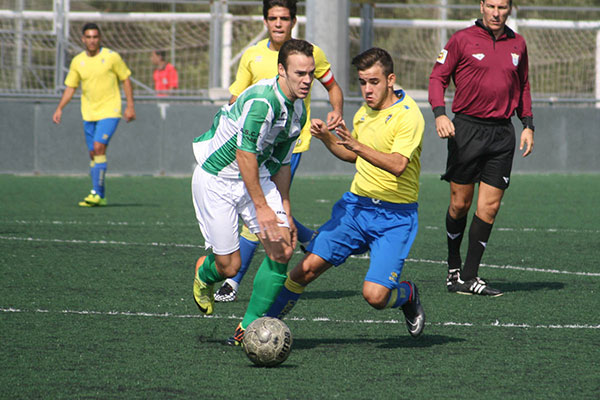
[[258, 59], [515, 59], [388, 118], [479, 56], [441, 58]]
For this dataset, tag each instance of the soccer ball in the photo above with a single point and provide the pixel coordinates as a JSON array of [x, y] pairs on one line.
[[267, 342]]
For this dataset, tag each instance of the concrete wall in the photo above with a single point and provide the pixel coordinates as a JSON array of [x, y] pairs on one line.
[[159, 141]]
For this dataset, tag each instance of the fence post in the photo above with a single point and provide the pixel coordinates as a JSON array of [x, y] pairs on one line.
[[598, 68], [216, 43], [61, 30], [367, 13]]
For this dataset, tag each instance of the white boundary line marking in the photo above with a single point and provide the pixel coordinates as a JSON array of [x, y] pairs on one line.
[[496, 323], [363, 256], [162, 223]]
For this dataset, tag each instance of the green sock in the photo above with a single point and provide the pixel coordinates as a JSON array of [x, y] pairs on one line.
[[208, 271], [267, 284]]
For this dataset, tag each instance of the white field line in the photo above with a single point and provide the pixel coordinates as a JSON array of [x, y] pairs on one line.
[[363, 256], [193, 223], [496, 323]]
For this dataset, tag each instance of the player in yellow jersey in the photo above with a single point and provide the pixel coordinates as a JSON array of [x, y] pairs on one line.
[[379, 213], [99, 71], [260, 62]]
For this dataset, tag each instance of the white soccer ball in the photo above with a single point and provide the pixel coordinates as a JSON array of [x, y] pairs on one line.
[[267, 342]]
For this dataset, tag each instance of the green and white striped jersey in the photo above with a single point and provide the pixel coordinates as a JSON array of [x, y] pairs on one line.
[[261, 121]]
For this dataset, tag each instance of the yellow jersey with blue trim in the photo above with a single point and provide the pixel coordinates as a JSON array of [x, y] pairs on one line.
[[260, 62], [396, 129], [99, 77]]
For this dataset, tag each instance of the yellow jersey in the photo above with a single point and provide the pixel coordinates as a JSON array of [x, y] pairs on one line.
[[99, 77], [396, 129], [260, 62]]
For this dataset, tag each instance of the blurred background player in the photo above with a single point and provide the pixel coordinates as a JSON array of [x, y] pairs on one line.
[[244, 171], [260, 62], [165, 74], [489, 65], [99, 71], [380, 212]]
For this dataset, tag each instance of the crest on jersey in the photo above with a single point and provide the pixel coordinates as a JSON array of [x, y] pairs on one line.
[[515, 59], [441, 58], [479, 56], [388, 118]]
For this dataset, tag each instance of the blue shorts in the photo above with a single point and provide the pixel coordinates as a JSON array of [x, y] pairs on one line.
[[360, 224], [99, 131], [295, 162]]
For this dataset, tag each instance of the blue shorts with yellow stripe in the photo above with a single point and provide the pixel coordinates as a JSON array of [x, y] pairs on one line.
[[99, 131], [360, 224]]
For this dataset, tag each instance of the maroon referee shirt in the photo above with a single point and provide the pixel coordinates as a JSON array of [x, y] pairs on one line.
[[490, 75]]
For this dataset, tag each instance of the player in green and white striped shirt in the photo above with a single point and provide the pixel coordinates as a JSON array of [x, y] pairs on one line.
[[244, 171]]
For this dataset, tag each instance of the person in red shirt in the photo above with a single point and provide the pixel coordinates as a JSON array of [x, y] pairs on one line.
[[489, 66], [165, 74]]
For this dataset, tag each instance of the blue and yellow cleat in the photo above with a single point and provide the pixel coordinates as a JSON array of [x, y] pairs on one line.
[[93, 200], [203, 293]]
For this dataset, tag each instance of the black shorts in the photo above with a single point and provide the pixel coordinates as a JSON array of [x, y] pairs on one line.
[[481, 151]]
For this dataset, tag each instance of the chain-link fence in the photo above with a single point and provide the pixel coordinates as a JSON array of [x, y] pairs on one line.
[[38, 38]]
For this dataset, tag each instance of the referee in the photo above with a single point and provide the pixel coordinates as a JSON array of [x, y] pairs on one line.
[[489, 66]]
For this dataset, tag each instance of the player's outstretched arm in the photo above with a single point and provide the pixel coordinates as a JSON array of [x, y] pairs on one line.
[[527, 141], [129, 113], [65, 99], [393, 163], [319, 130]]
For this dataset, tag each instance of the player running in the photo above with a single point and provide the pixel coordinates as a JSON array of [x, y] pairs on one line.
[[244, 170], [379, 213], [260, 62]]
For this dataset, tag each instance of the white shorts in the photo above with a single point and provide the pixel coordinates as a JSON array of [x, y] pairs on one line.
[[218, 203]]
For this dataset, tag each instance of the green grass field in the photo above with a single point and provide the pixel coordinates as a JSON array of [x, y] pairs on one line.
[[96, 303]]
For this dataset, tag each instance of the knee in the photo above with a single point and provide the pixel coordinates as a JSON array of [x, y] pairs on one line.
[[487, 212], [376, 299], [228, 270], [282, 256], [459, 207]]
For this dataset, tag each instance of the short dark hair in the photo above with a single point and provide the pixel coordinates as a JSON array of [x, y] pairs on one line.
[[509, 2], [293, 46], [161, 53], [368, 58], [289, 4], [88, 26]]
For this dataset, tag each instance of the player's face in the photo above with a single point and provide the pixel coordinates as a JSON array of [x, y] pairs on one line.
[[296, 80], [91, 40], [495, 13], [279, 25], [155, 58], [377, 89]]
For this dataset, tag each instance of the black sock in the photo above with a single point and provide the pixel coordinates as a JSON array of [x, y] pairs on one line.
[[455, 229], [479, 233]]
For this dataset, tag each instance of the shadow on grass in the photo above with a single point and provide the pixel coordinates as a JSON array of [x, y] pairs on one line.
[[383, 343], [527, 286]]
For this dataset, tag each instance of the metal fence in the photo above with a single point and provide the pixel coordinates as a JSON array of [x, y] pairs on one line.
[[204, 40]]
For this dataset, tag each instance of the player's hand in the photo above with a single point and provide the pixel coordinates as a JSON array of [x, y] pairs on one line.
[[333, 120], [57, 116], [129, 114], [269, 224], [526, 140], [318, 129], [444, 127], [345, 137]]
